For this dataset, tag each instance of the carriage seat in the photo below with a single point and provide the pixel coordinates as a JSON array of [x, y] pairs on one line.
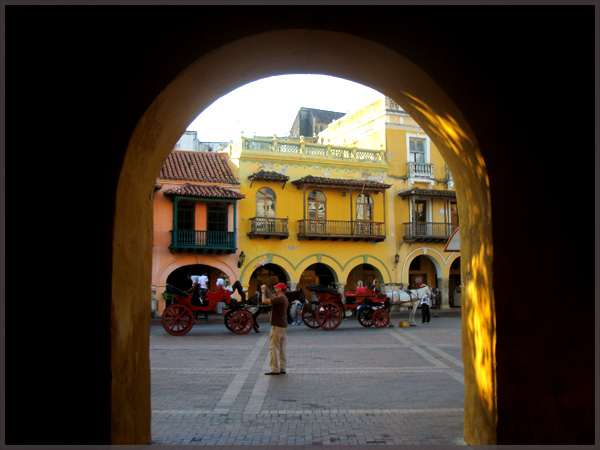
[[176, 291]]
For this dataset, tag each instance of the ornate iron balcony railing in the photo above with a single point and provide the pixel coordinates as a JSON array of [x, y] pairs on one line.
[[428, 231], [268, 227], [341, 230], [203, 241]]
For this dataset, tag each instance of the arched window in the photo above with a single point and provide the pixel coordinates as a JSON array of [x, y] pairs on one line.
[[364, 207], [317, 206], [265, 203], [265, 210]]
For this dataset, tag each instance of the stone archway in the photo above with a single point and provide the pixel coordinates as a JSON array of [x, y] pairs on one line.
[[285, 52]]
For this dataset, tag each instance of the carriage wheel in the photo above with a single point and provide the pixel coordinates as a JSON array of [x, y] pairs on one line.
[[242, 322], [227, 320], [381, 318], [329, 315], [309, 315], [177, 320], [365, 317]]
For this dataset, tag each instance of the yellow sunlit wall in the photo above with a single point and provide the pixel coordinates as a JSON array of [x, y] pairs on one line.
[[384, 125]]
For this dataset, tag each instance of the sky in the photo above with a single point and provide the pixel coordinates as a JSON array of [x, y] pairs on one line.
[[270, 105]]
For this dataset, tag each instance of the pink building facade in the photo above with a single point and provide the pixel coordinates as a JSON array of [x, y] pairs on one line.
[[196, 221]]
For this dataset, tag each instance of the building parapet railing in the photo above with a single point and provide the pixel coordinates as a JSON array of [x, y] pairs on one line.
[[340, 229], [314, 149], [203, 241], [428, 231]]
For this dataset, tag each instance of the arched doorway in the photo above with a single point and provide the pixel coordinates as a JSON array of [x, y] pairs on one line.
[[284, 52], [178, 277], [422, 270], [269, 274], [318, 273], [365, 273], [454, 284]]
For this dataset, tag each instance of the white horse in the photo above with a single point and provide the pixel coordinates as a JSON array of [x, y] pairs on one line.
[[409, 299]]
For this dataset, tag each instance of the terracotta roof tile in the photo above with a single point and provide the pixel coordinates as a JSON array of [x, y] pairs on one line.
[[194, 190], [268, 175], [197, 166], [340, 183]]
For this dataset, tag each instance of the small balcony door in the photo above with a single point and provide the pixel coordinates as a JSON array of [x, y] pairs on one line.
[[217, 217], [186, 216], [265, 210], [420, 218], [317, 212], [364, 214], [453, 213]]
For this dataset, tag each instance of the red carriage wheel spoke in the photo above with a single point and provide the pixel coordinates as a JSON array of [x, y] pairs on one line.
[[365, 317], [329, 316], [177, 320], [242, 322], [381, 318]]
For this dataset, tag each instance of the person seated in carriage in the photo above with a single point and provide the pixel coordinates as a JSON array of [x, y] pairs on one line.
[[375, 285], [223, 282], [198, 288]]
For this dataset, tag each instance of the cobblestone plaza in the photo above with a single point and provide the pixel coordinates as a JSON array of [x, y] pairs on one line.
[[349, 386]]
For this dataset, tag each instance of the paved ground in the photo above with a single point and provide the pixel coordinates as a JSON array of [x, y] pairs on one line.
[[349, 386]]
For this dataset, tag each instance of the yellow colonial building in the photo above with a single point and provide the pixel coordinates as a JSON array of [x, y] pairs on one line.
[[333, 210], [423, 207], [312, 214]]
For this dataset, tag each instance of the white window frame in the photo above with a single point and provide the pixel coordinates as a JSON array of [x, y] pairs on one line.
[[424, 137], [421, 137]]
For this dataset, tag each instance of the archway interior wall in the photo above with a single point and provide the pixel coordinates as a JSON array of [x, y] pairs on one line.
[[287, 52]]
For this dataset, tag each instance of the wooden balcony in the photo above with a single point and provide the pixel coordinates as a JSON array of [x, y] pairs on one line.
[[268, 228], [428, 231], [194, 241], [340, 230]]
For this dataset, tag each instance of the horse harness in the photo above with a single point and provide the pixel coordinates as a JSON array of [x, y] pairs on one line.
[[410, 295]]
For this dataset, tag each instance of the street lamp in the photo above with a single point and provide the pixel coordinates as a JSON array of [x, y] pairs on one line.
[[241, 259], [396, 259]]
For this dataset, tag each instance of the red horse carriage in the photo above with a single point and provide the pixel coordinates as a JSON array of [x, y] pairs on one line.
[[329, 309], [178, 319]]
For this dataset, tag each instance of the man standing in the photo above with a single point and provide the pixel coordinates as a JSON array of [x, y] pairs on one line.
[[425, 305], [277, 340]]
